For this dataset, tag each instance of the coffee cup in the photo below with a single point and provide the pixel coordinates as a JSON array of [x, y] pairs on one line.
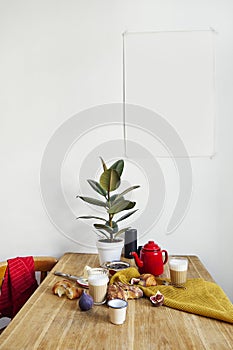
[[117, 310], [98, 283], [178, 267]]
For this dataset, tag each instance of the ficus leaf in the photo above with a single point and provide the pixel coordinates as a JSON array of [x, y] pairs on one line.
[[102, 232], [126, 191], [93, 201], [118, 166], [121, 231], [114, 225], [110, 180], [97, 187], [103, 163], [114, 200], [90, 217], [103, 227], [126, 215], [120, 206]]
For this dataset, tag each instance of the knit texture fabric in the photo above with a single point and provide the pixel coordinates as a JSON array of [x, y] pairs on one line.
[[18, 285], [199, 297]]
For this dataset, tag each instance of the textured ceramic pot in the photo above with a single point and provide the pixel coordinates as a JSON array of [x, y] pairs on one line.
[[109, 251]]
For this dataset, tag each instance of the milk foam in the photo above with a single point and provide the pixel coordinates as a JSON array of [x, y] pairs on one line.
[[178, 264], [98, 280]]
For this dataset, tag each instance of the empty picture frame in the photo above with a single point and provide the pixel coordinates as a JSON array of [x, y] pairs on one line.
[[172, 73]]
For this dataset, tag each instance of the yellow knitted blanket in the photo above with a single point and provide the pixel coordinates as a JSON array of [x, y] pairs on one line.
[[200, 297]]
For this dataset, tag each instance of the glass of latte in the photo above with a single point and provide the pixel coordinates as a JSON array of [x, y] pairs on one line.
[[98, 283], [178, 267]]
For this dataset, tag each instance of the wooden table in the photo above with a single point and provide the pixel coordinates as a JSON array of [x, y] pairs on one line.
[[48, 322]]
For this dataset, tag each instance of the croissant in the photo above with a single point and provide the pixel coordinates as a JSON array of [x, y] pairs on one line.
[[66, 288], [147, 280]]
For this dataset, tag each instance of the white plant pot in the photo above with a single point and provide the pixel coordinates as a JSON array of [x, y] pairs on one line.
[[109, 251]]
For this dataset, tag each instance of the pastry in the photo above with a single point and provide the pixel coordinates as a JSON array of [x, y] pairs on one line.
[[66, 288], [145, 280], [123, 291]]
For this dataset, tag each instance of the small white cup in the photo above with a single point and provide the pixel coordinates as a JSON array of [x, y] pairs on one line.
[[117, 310]]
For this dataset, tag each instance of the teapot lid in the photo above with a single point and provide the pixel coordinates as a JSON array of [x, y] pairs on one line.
[[151, 245]]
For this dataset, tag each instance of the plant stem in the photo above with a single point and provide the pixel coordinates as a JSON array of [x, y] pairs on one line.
[[110, 216]]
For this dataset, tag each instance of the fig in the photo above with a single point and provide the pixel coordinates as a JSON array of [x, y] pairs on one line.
[[157, 299], [85, 301], [134, 280]]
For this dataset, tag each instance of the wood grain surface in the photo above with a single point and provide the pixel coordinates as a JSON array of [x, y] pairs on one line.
[[51, 323]]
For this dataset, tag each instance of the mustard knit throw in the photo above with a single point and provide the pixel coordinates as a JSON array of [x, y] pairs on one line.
[[200, 297]]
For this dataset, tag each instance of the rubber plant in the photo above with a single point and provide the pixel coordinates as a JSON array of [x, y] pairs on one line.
[[113, 203]]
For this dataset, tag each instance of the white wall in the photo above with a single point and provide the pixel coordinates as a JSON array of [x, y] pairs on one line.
[[60, 57]]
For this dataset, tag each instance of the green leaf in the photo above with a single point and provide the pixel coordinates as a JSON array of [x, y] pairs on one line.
[[96, 186], [121, 205], [103, 163], [126, 215], [110, 180], [113, 200], [118, 166], [126, 191], [103, 233], [90, 217], [114, 225], [121, 231], [93, 201], [103, 227]]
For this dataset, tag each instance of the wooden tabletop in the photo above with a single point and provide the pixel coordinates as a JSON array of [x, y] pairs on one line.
[[48, 322]]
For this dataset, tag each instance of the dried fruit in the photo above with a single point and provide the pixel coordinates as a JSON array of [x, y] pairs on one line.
[[157, 299], [85, 302]]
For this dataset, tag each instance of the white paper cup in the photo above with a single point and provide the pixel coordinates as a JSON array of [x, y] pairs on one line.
[[117, 310], [98, 283], [178, 267]]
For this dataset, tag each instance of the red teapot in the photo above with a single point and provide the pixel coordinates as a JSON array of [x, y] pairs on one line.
[[152, 259]]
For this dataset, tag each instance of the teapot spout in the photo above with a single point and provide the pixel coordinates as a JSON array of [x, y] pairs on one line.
[[138, 261]]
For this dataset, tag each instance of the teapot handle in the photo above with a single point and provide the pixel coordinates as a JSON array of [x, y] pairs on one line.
[[166, 256]]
